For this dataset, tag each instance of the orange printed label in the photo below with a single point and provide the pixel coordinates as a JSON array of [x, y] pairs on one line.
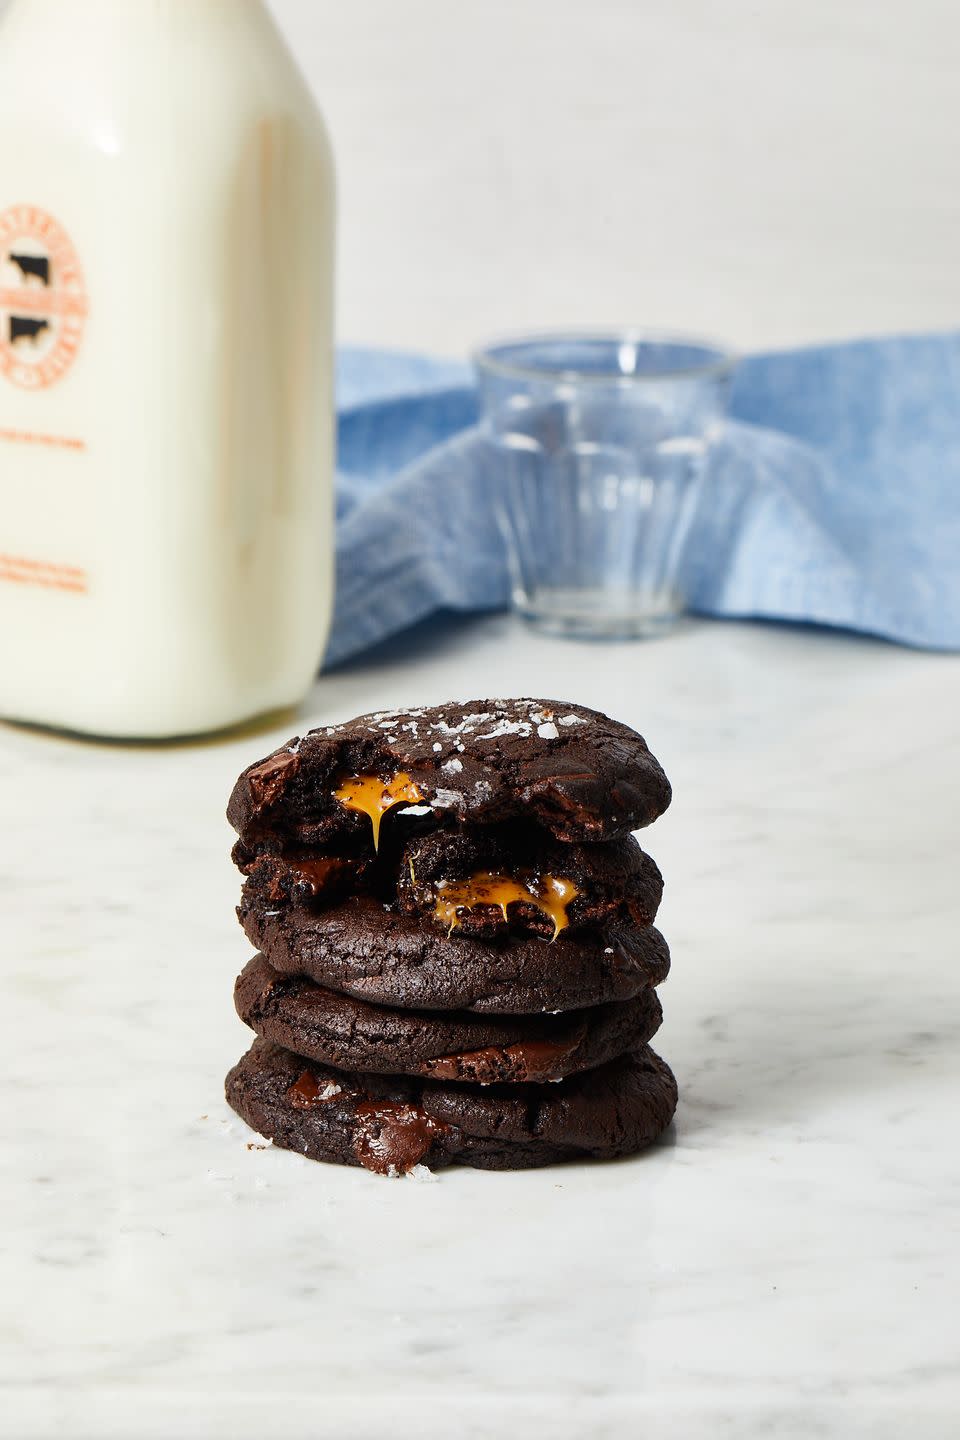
[[48, 574], [53, 442], [43, 301]]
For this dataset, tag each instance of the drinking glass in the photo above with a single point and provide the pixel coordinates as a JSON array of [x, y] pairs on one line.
[[598, 447]]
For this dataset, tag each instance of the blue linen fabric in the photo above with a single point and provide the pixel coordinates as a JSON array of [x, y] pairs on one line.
[[833, 495]]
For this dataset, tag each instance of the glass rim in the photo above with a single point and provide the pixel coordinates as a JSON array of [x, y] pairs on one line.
[[491, 358]]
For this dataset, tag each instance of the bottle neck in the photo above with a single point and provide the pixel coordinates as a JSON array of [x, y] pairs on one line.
[[55, 24]]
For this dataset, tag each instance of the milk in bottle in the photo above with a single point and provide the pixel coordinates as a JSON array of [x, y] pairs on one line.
[[166, 431]]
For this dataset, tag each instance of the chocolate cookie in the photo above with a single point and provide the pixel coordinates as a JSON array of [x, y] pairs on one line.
[[389, 1124], [361, 948], [349, 1034], [484, 882], [517, 877], [576, 772]]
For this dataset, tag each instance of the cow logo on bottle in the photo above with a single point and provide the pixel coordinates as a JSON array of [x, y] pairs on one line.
[[43, 303]]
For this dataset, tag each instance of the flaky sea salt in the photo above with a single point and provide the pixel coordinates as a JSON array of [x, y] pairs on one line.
[[445, 799], [548, 731], [422, 1174], [452, 766], [571, 720], [523, 728]]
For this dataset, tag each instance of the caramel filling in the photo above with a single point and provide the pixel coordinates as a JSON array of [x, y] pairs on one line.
[[319, 875], [374, 797], [549, 893]]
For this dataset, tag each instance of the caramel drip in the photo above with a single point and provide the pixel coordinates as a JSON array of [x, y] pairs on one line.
[[549, 893], [374, 797]]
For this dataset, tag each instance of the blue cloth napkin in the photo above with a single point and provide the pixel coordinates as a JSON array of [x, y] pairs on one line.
[[834, 495]]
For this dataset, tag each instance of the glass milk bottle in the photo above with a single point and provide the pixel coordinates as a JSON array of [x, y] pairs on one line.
[[166, 409]]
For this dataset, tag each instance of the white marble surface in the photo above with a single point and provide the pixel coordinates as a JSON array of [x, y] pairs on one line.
[[786, 1266]]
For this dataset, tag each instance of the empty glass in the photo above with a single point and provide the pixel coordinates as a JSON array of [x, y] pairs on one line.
[[598, 446]]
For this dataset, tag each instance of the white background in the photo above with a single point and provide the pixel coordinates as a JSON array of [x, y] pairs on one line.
[[767, 170]]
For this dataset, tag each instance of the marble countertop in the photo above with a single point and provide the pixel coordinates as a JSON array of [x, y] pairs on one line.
[[788, 1264]]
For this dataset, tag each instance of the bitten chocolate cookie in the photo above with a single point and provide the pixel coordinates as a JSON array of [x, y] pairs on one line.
[[389, 1124], [484, 883], [517, 877], [349, 1034], [576, 772], [359, 948]]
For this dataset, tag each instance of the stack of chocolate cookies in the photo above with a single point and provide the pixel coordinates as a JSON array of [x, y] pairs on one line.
[[457, 961]]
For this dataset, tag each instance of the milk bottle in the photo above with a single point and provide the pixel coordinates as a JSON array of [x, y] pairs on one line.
[[166, 424]]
